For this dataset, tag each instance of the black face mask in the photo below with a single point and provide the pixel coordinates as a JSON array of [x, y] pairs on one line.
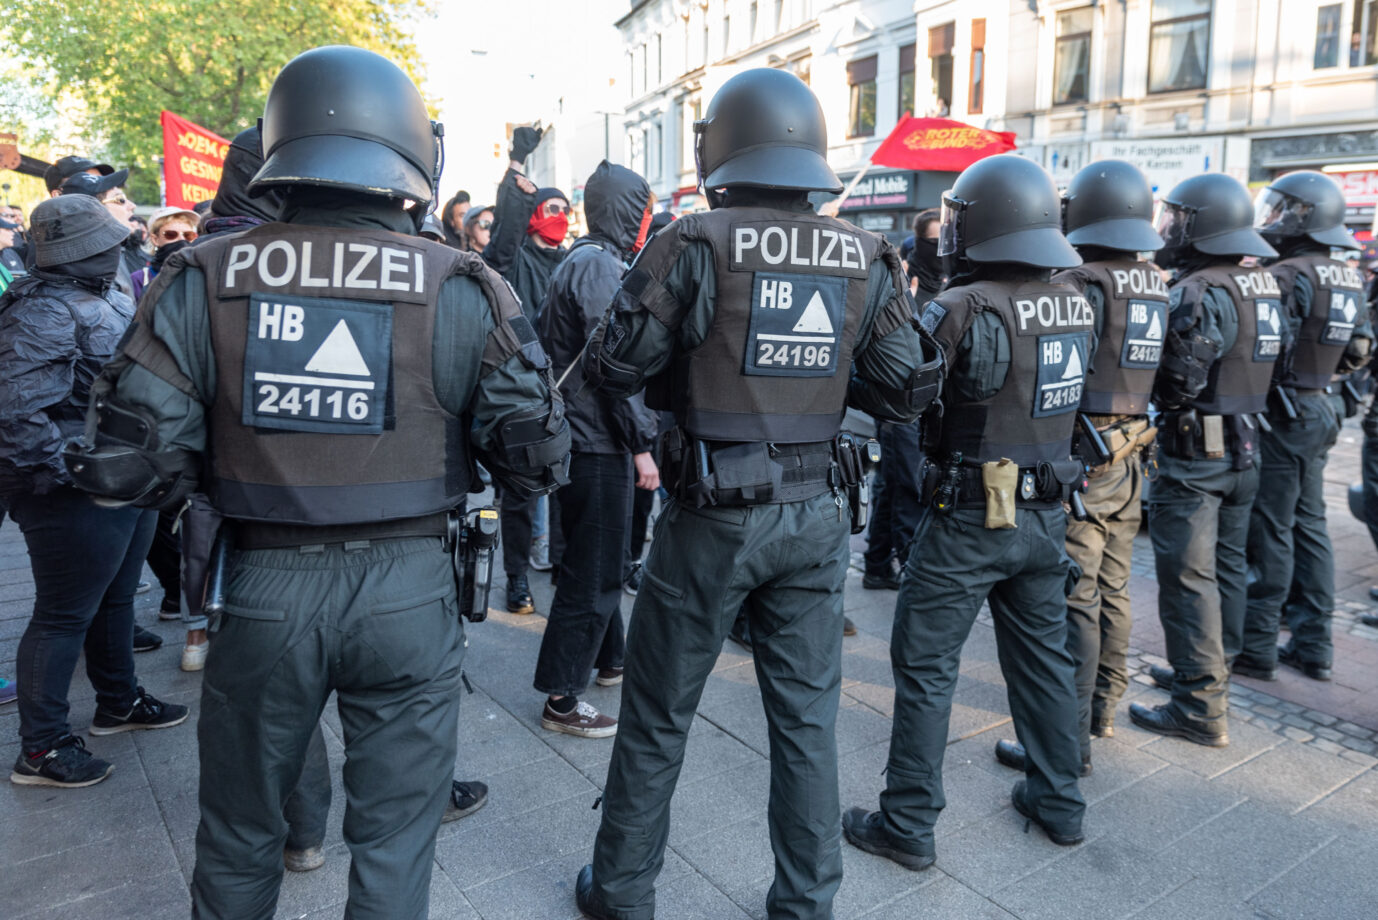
[[925, 264], [96, 272], [165, 251]]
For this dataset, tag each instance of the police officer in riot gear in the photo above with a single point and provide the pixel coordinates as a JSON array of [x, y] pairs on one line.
[[1107, 214], [1302, 215], [331, 378], [1225, 331], [1017, 345], [756, 324]]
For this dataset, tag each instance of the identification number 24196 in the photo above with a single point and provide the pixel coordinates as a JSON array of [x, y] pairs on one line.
[[768, 353], [314, 402]]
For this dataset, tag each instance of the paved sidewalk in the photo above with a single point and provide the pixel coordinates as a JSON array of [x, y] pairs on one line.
[[1282, 824]]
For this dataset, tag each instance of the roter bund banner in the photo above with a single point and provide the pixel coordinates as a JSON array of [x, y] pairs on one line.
[[192, 160]]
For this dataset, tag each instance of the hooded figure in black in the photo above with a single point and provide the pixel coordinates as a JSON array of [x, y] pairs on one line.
[[611, 436], [233, 208]]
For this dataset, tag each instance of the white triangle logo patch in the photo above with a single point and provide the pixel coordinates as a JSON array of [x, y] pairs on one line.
[[339, 354], [1155, 328], [815, 317], [1073, 371]]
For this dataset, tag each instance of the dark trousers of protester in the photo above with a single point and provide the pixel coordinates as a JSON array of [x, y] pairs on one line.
[[86, 563], [956, 566], [1289, 547], [1369, 454], [585, 626], [378, 624], [898, 507], [165, 557], [516, 515], [1098, 617], [787, 563], [1198, 519]]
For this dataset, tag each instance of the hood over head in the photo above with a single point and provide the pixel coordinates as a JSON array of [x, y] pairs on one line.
[[242, 161], [615, 202]]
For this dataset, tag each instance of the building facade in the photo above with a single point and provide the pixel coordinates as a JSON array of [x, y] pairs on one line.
[[1251, 87]]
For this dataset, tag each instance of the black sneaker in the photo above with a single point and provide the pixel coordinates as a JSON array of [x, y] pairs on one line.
[[880, 581], [145, 641], [519, 596], [67, 765], [465, 799], [633, 582], [170, 609], [146, 712]]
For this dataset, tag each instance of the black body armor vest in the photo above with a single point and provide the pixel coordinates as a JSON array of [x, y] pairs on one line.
[[326, 411], [1240, 379], [791, 292], [1325, 331], [1131, 338], [1030, 419]]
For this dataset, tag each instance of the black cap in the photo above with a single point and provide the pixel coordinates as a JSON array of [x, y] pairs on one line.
[[73, 227], [86, 184], [67, 167]]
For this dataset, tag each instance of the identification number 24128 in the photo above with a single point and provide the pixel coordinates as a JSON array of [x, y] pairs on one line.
[[314, 402]]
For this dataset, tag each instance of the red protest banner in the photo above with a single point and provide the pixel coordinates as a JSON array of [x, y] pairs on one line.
[[192, 160], [939, 144]]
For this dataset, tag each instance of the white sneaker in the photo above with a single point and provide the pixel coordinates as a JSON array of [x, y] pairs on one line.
[[540, 554], [194, 656]]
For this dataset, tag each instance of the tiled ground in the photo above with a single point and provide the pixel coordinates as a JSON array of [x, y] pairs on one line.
[[1282, 824]]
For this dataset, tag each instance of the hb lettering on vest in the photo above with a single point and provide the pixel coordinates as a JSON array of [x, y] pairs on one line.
[[1052, 311], [354, 269]]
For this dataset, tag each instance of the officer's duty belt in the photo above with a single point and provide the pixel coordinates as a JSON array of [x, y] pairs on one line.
[[263, 535], [972, 491]]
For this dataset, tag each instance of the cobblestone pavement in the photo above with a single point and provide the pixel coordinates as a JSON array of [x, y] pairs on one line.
[[1281, 824]]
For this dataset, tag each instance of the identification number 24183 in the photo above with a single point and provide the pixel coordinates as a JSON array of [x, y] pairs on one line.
[[314, 402]]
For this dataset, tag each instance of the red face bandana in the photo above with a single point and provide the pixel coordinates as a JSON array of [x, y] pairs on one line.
[[644, 231], [550, 228]]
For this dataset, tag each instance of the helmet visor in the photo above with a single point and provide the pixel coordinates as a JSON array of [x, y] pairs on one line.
[[1173, 223], [950, 225], [1280, 214]]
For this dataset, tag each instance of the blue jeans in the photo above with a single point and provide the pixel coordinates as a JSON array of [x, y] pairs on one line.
[[86, 563]]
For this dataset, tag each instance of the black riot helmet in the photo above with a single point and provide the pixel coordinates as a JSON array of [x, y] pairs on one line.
[[1005, 209], [1210, 213], [346, 118], [1110, 204], [1303, 204], [765, 129]]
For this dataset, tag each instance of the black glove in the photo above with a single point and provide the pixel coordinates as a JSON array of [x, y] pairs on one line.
[[524, 140]]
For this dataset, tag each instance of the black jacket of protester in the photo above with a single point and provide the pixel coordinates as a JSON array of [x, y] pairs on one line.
[[512, 253], [580, 290], [58, 328]]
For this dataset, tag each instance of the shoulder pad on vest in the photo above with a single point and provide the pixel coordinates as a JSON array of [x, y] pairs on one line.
[[140, 345], [642, 285], [897, 309]]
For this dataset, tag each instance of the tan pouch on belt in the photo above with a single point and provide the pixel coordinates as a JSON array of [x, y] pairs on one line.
[[1124, 439], [1001, 482]]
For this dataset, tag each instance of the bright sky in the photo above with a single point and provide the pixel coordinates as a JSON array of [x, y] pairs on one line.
[[489, 62]]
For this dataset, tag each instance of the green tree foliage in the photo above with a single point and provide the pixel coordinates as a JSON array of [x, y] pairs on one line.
[[211, 61]]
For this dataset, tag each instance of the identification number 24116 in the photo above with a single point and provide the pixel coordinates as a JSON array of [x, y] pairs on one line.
[[314, 402]]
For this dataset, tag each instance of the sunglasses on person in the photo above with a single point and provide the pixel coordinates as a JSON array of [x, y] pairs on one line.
[[168, 236], [484, 224], [117, 200], [551, 208]]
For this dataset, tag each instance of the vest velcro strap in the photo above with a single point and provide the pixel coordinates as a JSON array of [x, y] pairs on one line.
[[258, 535]]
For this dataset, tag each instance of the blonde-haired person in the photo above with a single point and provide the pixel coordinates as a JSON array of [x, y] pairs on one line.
[[169, 229]]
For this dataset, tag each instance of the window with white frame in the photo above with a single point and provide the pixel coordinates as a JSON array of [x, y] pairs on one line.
[[1179, 45], [1072, 56], [1327, 53], [1363, 34]]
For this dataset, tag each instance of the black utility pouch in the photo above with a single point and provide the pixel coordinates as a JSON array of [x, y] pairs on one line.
[[1060, 478], [740, 474]]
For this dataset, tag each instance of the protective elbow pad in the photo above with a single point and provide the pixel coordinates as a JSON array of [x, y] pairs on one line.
[[926, 383], [532, 453], [1356, 354], [1185, 368]]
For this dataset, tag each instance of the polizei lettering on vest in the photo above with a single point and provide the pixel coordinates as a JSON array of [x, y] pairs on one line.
[[1052, 311], [797, 245], [349, 268], [1130, 281], [1339, 276], [1256, 284]]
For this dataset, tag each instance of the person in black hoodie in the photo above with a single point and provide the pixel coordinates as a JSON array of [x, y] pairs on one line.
[[612, 440], [525, 248]]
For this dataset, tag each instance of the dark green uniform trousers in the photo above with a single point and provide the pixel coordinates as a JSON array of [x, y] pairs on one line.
[[1198, 518], [1289, 546], [1098, 617], [787, 563], [956, 564], [377, 624]]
